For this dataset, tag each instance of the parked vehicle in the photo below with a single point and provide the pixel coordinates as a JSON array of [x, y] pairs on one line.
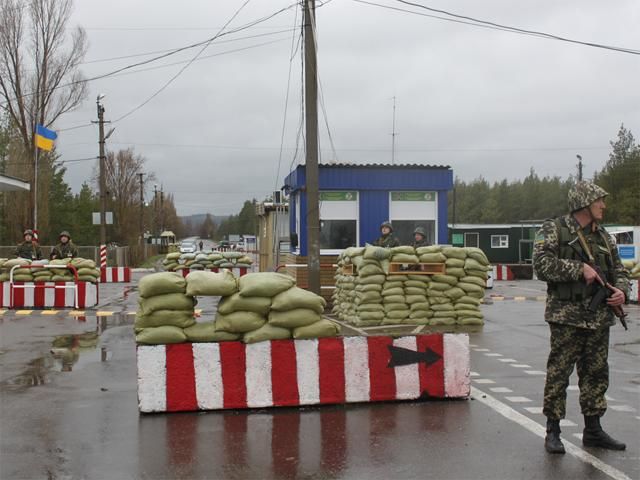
[[188, 247]]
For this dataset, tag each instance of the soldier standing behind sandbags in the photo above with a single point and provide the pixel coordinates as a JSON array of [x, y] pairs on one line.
[[386, 240], [65, 249], [28, 249], [420, 238]]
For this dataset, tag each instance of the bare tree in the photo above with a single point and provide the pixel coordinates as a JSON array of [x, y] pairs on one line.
[[39, 75]]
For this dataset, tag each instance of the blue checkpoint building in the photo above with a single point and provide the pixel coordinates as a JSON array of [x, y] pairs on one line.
[[356, 198]]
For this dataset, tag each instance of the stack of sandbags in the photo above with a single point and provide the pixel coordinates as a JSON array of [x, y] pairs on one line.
[[175, 261], [171, 261], [41, 274], [4, 275], [634, 268], [19, 274], [87, 270], [343, 296], [165, 309]]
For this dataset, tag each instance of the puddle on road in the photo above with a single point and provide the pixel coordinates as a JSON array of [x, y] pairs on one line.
[[70, 351]]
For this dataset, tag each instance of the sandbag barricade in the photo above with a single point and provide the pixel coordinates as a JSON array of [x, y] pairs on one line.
[[115, 274], [48, 294], [502, 272], [232, 375], [238, 271]]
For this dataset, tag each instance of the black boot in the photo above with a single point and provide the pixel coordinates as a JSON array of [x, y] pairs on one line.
[[594, 436], [552, 442]]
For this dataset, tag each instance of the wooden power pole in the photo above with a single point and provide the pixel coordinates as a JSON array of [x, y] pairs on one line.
[[311, 168]]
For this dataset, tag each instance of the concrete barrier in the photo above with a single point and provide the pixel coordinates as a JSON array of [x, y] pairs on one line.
[[115, 274], [48, 294], [502, 272], [232, 375]]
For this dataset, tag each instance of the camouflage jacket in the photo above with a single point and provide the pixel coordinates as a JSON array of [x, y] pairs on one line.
[[64, 250], [555, 263], [28, 250], [387, 241], [421, 243]]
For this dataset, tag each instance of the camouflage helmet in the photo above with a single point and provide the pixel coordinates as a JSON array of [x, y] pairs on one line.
[[386, 224], [420, 231], [583, 194], [64, 233], [28, 231]]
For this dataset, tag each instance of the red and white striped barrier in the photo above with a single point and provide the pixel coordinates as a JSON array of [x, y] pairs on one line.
[[238, 272], [230, 375], [502, 272], [115, 274], [635, 291], [44, 295]]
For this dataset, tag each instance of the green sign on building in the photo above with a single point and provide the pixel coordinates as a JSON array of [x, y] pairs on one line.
[[335, 196], [413, 196], [457, 239]]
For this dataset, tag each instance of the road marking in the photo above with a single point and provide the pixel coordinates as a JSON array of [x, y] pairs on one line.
[[567, 423], [493, 354], [622, 408], [49, 312], [520, 365], [501, 390], [475, 374], [535, 372], [519, 299], [518, 399], [2, 312], [481, 349], [484, 380], [534, 410], [507, 360], [24, 312], [76, 313], [537, 429], [611, 399], [132, 313], [578, 435], [102, 313], [472, 345]]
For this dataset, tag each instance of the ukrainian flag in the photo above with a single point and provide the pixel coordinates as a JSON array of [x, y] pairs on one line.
[[45, 138]]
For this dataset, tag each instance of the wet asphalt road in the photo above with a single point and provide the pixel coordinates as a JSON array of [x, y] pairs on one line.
[[68, 409]]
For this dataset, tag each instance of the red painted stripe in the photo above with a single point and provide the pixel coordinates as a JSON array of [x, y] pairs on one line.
[[127, 274], [38, 296], [215, 269], [59, 296], [509, 273], [382, 379], [233, 361], [82, 294], [243, 271], [331, 363], [181, 378], [432, 376], [18, 295], [285, 444], [284, 374], [103, 274], [2, 302]]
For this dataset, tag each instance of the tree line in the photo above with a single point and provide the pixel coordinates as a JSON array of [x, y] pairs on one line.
[[536, 198]]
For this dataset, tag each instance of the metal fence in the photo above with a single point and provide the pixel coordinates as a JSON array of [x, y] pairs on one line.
[[116, 256]]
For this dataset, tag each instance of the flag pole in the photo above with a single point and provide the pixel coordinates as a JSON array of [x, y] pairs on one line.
[[35, 190]]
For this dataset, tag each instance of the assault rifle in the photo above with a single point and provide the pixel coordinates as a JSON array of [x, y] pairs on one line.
[[604, 288]]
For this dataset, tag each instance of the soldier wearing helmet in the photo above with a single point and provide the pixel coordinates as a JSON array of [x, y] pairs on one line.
[[386, 239], [420, 238], [66, 248], [578, 336], [29, 248]]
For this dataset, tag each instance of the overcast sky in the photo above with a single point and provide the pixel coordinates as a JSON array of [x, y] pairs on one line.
[[484, 101]]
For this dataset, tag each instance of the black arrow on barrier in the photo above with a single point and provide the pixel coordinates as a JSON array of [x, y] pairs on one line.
[[403, 356]]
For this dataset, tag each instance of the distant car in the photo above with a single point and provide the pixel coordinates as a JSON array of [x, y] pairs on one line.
[[188, 247], [241, 246], [223, 244]]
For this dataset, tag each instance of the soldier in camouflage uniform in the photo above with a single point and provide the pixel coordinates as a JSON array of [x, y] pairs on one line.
[[66, 248], [386, 240], [578, 336], [28, 249], [420, 238]]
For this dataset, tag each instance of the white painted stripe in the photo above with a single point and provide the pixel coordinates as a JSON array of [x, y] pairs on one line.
[[493, 354], [518, 399], [520, 365], [308, 371], [456, 364], [484, 380], [567, 423], [209, 387], [535, 372], [536, 410], [49, 294], [258, 374], [610, 399], [152, 378], [5, 294], [481, 349], [29, 295], [507, 360], [622, 408], [69, 296], [475, 374], [501, 390], [407, 376], [356, 369], [537, 429]]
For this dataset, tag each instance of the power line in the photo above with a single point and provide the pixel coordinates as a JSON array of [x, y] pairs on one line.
[[496, 26]]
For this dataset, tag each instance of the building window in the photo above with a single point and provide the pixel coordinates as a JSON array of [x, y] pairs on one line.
[[337, 234], [472, 239], [403, 230], [499, 241]]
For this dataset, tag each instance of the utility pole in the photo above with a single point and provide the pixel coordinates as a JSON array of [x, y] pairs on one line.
[[140, 175], [102, 181], [311, 130], [161, 209], [393, 133], [155, 212], [579, 167]]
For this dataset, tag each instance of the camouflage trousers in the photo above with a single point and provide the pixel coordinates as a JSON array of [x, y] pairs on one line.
[[588, 349]]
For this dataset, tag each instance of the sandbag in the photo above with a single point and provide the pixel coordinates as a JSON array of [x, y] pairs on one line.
[[296, 297], [442, 320], [475, 280], [216, 284], [173, 256], [15, 261], [159, 318], [466, 306], [161, 335], [428, 249], [468, 313], [438, 286], [323, 328], [367, 270], [416, 284], [370, 307], [420, 306], [470, 287], [411, 299], [404, 258], [445, 307], [394, 299], [206, 332], [264, 284], [161, 283], [436, 257], [470, 321], [472, 264], [371, 279], [371, 315], [87, 278], [402, 249], [266, 332], [450, 279], [394, 307], [239, 322], [387, 292], [170, 301], [454, 262], [455, 252], [369, 297], [398, 314], [455, 293], [372, 287], [375, 253], [483, 274], [456, 272], [23, 278], [468, 299], [415, 291], [237, 302], [297, 317], [478, 255]]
